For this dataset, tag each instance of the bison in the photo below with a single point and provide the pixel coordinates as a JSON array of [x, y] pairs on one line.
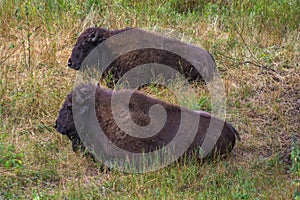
[[90, 97], [199, 65]]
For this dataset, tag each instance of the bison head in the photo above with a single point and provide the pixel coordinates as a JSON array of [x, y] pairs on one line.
[[65, 123], [86, 42]]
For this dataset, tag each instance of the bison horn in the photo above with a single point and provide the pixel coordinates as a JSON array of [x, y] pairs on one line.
[[94, 37]]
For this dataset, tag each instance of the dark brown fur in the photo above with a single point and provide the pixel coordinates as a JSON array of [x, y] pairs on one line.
[[85, 44], [139, 112]]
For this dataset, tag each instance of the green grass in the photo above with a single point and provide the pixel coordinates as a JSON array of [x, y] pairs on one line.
[[36, 39]]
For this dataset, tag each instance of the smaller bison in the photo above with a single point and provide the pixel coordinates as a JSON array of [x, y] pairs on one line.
[[202, 67], [140, 113]]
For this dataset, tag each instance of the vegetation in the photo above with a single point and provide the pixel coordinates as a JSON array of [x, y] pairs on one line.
[[257, 50]]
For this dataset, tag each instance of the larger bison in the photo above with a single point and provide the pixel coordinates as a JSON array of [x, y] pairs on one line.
[[139, 112]]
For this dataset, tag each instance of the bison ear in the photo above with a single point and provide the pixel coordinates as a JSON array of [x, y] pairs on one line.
[[69, 106], [94, 37]]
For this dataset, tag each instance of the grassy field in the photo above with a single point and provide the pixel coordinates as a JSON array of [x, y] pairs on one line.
[[257, 50]]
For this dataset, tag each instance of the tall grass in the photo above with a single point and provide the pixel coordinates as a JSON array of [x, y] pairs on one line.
[[255, 44]]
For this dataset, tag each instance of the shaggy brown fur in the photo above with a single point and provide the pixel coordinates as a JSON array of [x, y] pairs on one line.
[[139, 112], [92, 37]]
